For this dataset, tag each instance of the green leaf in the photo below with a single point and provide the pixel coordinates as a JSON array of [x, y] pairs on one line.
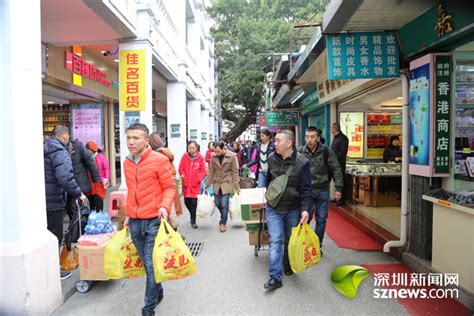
[[346, 279]]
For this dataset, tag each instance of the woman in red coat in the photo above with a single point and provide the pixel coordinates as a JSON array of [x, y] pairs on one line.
[[192, 170]]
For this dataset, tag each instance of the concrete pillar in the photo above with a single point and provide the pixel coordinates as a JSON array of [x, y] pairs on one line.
[[194, 122], [176, 92], [204, 128], [29, 278], [146, 116]]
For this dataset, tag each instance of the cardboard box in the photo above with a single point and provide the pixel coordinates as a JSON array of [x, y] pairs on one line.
[[255, 226], [253, 238], [252, 203], [91, 262]]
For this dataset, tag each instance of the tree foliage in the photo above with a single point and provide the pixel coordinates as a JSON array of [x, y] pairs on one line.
[[246, 33]]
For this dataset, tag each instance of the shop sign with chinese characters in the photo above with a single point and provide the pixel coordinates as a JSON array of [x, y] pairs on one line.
[[363, 56], [80, 69], [132, 80], [442, 112]]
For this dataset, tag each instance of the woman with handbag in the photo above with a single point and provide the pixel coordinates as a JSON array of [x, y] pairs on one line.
[[177, 209], [192, 170], [99, 189]]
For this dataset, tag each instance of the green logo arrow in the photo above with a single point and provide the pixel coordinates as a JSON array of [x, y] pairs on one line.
[[346, 279]]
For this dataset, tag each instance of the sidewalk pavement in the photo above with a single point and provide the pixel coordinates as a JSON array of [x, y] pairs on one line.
[[230, 281]]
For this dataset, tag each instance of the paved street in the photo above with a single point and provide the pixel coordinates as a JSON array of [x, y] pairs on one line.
[[230, 281]]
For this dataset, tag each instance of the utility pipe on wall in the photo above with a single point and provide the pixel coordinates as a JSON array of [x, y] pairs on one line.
[[405, 162]]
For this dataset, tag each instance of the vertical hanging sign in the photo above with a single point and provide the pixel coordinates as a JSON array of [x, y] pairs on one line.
[[442, 112], [132, 80]]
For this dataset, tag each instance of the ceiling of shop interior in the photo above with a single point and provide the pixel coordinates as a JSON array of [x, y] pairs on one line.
[[71, 22], [389, 95], [379, 15], [59, 96]]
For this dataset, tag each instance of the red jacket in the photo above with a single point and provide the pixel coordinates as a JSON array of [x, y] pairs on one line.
[[192, 173], [150, 185]]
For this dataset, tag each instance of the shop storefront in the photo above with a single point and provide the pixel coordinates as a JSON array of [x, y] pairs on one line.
[[444, 45], [80, 88]]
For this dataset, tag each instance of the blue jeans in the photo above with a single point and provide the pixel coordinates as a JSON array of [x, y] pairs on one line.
[[143, 233], [262, 178], [222, 203], [320, 200], [279, 229]]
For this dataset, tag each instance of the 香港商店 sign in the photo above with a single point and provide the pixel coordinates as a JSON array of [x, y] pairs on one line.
[[363, 56]]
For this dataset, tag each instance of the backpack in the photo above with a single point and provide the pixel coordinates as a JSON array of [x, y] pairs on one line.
[[277, 188]]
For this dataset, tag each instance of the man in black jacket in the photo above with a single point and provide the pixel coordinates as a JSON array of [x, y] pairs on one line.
[[293, 207], [324, 166], [82, 165], [60, 181], [340, 146]]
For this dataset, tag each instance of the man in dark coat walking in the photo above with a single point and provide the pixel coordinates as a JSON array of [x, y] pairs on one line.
[[82, 165], [59, 180]]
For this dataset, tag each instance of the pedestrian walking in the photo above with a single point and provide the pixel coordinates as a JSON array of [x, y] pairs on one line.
[[59, 178], [223, 174], [151, 193], [98, 189], [192, 170], [248, 151], [264, 149], [177, 209], [340, 146], [239, 153], [324, 166], [84, 167], [210, 150], [293, 207]]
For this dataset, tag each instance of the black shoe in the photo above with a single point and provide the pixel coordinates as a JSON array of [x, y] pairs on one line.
[[340, 203], [148, 313], [322, 255], [272, 284], [65, 274], [160, 297], [194, 225], [288, 271]]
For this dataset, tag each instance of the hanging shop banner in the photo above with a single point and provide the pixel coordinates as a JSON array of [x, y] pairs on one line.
[[420, 115], [310, 103], [87, 125], [363, 56], [281, 118], [352, 125], [442, 112], [132, 80]]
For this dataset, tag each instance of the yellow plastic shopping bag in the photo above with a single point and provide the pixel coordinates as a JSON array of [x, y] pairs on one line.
[[303, 248], [172, 259], [121, 259]]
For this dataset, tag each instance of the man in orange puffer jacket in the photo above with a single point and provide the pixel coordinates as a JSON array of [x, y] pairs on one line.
[[151, 193]]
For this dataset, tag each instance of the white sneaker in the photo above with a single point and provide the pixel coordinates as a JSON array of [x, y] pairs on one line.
[[65, 274]]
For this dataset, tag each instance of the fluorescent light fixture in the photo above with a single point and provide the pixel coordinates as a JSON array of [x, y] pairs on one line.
[[297, 97], [50, 102], [117, 60]]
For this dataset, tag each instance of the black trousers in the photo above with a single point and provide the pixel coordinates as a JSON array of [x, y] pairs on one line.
[[74, 219], [191, 205], [344, 181], [96, 203], [55, 224]]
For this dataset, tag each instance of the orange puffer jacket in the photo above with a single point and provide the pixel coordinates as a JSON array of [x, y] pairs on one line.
[[150, 185]]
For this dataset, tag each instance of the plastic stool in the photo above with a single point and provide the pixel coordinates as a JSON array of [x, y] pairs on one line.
[[117, 200]]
